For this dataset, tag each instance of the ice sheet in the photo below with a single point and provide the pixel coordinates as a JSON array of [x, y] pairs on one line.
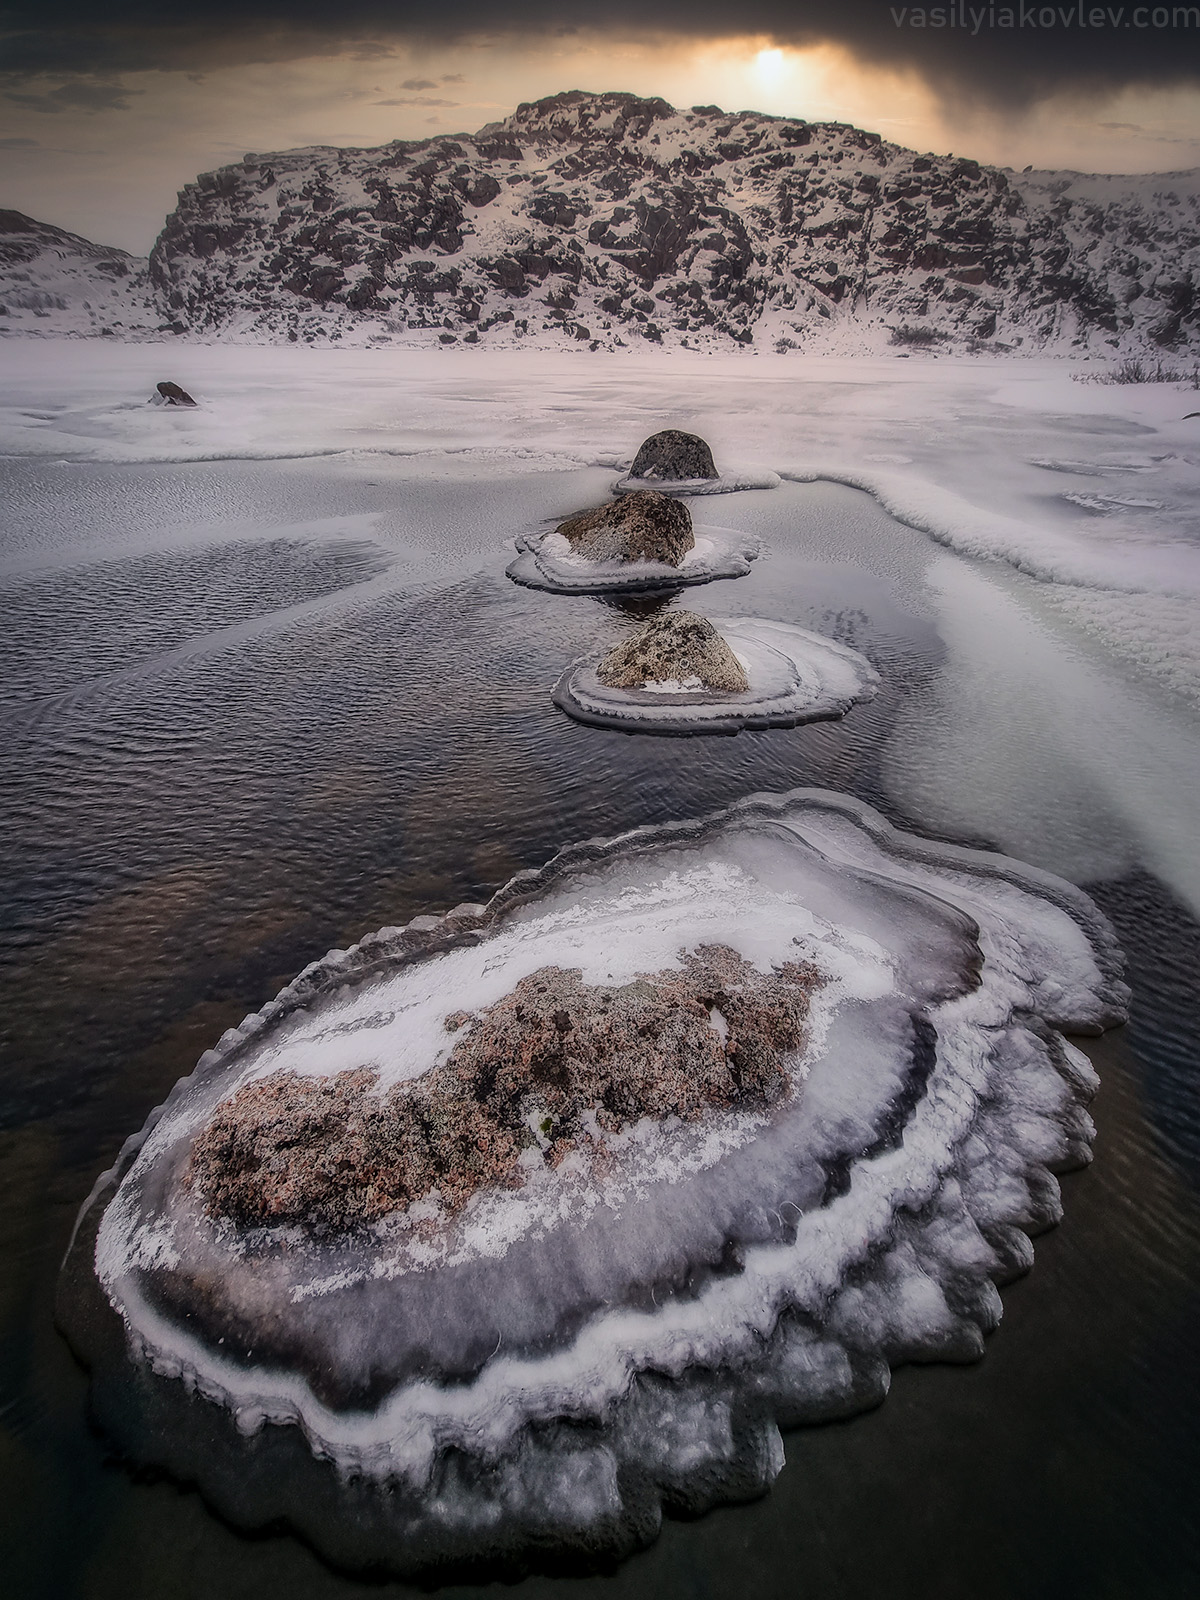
[[975, 452]]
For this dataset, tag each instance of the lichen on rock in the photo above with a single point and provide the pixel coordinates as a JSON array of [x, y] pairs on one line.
[[557, 1063], [674, 456], [644, 526], [674, 646]]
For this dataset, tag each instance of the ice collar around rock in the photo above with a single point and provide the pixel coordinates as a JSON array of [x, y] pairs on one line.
[[655, 682], [543, 1368]]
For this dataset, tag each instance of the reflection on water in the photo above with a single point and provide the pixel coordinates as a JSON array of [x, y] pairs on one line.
[[226, 754]]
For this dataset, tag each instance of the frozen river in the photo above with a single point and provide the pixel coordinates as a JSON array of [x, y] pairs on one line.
[[254, 707]]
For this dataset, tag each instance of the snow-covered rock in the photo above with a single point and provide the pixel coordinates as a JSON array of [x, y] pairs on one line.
[[1135, 239], [52, 281], [645, 526], [673, 647]]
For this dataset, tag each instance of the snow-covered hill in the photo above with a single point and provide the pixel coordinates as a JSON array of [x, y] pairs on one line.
[[1137, 239], [52, 281], [606, 219]]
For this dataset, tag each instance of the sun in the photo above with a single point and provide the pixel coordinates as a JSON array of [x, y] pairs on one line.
[[769, 67]]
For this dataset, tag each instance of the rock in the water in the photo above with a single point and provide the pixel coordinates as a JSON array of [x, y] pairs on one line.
[[644, 526], [672, 456], [174, 395], [674, 647], [785, 676]]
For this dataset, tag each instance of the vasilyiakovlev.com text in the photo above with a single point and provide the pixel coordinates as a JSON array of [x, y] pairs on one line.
[[973, 19]]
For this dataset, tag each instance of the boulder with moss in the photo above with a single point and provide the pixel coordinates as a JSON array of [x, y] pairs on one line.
[[674, 647], [645, 526]]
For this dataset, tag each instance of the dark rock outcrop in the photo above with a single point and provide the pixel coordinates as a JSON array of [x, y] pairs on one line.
[[174, 395], [604, 219], [643, 526], [673, 456], [674, 646]]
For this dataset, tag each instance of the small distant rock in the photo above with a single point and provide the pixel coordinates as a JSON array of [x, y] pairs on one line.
[[174, 395], [673, 647], [673, 456], [644, 526]]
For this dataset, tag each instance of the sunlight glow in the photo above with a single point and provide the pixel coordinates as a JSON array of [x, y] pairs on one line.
[[769, 67]]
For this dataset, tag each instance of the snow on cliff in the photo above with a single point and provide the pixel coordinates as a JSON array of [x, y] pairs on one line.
[[52, 281], [603, 220]]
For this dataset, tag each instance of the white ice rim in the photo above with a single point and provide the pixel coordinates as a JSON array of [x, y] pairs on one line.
[[733, 481], [723, 1323], [794, 676], [717, 553]]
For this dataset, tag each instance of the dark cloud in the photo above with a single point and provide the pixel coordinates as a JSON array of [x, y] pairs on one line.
[[1150, 135], [973, 58], [76, 95], [18, 144], [415, 100], [418, 83]]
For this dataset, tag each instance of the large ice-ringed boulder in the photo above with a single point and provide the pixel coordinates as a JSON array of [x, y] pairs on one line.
[[490, 1238]]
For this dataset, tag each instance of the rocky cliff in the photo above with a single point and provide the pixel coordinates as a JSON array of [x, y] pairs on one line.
[[607, 219]]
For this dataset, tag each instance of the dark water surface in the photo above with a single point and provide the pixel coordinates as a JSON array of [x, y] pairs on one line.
[[250, 712]]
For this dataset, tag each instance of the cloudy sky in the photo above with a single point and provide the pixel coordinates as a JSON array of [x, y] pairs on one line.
[[107, 109]]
